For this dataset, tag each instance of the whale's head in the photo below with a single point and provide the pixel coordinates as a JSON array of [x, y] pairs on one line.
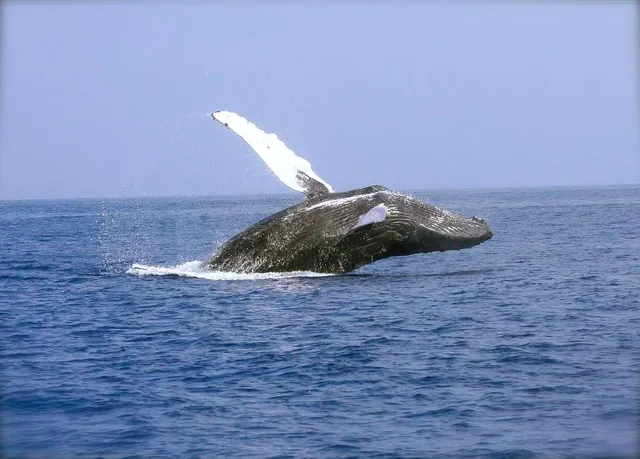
[[427, 228], [395, 224]]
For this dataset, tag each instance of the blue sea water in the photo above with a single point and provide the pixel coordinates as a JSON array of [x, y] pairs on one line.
[[114, 344]]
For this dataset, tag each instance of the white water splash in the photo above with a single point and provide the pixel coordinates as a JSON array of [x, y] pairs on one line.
[[195, 269]]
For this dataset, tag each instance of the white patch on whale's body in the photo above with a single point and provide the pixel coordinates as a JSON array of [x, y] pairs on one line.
[[343, 201], [287, 166], [376, 214], [340, 201]]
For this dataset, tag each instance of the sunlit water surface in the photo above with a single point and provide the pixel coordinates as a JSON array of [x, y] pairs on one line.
[[115, 343]]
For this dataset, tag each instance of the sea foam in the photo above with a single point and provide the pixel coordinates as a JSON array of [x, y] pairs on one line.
[[195, 269]]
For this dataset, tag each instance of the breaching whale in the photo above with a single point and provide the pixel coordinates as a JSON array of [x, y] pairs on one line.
[[335, 232]]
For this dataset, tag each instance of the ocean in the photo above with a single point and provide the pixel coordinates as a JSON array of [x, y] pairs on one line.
[[115, 344]]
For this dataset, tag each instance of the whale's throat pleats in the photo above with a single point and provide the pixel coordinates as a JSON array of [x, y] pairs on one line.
[[291, 169]]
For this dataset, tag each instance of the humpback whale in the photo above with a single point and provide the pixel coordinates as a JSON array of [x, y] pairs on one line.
[[335, 232]]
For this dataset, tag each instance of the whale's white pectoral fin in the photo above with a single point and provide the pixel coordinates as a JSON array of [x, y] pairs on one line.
[[291, 169], [374, 215]]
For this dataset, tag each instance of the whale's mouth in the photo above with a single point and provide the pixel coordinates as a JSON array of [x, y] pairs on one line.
[[457, 233]]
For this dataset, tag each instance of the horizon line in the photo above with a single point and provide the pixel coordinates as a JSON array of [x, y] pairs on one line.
[[293, 193]]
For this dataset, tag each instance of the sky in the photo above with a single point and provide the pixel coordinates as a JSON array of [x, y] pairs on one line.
[[112, 99]]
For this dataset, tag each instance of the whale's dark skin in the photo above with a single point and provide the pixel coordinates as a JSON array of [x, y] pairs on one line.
[[318, 234]]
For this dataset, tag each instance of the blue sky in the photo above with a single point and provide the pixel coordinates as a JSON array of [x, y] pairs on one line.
[[110, 99]]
